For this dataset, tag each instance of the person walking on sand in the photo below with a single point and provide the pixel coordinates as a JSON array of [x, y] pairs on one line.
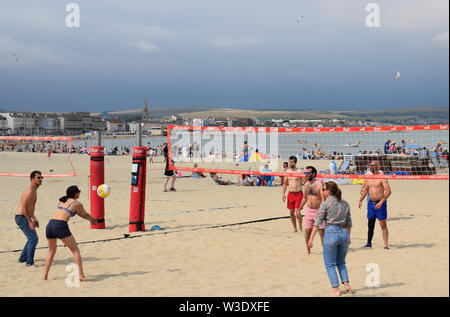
[[27, 221], [379, 191], [335, 212], [168, 173], [313, 197], [295, 195], [58, 228]]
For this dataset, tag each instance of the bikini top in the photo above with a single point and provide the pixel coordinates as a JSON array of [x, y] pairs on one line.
[[72, 213]]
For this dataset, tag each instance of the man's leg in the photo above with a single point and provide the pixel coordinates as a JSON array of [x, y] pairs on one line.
[[385, 231], [371, 227], [307, 236], [28, 251], [293, 220], [173, 182], [299, 219], [165, 183]]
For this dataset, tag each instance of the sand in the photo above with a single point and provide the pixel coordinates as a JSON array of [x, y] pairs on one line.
[[196, 256]]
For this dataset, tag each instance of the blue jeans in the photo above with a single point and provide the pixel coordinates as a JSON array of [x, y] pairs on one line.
[[335, 246], [27, 254]]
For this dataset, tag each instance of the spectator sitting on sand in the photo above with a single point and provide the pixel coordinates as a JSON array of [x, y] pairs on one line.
[[197, 174], [218, 180]]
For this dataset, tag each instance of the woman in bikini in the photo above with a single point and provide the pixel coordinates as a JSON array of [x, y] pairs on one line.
[[58, 228]]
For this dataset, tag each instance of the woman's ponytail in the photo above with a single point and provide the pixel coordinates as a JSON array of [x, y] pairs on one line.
[[334, 189]]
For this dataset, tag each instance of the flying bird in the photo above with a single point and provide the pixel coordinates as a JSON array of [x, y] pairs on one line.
[[398, 75], [70, 37], [299, 18], [16, 57]]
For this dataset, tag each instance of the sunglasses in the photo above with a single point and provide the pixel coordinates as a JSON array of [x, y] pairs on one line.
[[40, 177]]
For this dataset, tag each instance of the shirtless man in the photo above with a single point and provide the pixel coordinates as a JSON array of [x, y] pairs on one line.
[[312, 198], [379, 191], [295, 195], [26, 220]]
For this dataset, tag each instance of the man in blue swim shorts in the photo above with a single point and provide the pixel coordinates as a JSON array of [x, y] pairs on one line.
[[379, 191]]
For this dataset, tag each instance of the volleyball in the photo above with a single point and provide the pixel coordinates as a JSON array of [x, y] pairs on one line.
[[103, 190]]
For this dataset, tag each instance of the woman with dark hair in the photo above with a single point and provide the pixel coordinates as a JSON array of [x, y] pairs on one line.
[[335, 212], [58, 228]]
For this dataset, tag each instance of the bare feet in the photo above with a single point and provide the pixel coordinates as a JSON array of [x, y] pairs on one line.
[[32, 267], [308, 251], [336, 292], [83, 279], [348, 289]]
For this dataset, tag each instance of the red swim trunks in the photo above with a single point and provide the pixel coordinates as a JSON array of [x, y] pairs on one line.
[[294, 200]]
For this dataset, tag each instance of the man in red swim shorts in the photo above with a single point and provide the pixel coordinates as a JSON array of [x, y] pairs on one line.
[[295, 195]]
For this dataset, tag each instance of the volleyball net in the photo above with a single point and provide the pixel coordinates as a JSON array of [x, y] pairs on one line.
[[402, 152], [50, 155]]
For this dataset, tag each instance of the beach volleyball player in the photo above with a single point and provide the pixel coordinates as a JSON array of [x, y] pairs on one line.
[[295, 194], [57, 228], [27, 221], [313, 197], [379, 191]]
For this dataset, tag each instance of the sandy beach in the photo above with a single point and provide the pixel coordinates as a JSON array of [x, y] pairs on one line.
[[204, 250]]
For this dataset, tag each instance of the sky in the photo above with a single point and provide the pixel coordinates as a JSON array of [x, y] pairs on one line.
[[249, 54]]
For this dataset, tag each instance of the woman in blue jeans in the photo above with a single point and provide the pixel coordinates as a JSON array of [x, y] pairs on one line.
[[336, 214]]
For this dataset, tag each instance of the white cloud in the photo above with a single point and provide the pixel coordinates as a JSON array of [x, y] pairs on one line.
[[441, 39], [224, 41], [145, 47]]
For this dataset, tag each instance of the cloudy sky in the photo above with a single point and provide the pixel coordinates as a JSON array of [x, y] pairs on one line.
[[217, 53]]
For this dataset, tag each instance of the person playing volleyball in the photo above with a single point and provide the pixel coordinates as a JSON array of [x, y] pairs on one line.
[[26, 220], [295, 195], [312, 198], [379, 191], [58, 228]]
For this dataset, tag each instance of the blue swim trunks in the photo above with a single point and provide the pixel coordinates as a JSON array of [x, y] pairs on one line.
[[380, 213]]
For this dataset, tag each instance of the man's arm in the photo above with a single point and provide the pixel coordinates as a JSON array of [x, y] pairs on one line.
[[27, 207], [364, 191], [283, 190]]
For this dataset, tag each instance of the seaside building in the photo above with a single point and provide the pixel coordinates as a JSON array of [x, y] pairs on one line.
[[22, 123], [116, 125], [78, 122], [50, 124], [3, 124]]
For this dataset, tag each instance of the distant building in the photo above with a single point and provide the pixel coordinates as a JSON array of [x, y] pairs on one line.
[[3, 124], [22, 123], [78, 122], [145, 111], [116, 125], [50, 123]]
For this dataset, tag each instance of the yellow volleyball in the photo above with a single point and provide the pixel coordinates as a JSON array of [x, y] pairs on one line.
[[103, 190]]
